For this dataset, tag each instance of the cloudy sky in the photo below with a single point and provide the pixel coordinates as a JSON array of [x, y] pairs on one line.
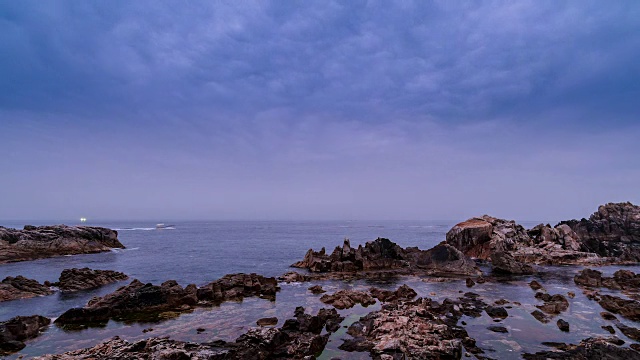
[[318, 110]]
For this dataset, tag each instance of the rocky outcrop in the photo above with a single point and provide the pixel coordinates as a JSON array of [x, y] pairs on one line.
[[47, 241], [14, 332], [346, 299], [420, 329], [299, 338], [385, 255], [612, 231], [611, 235], [627, 308], [553, 304], [85, 278], [504, 263], [621, 280], [403, 293], [19, 287], [138, 301], [591, 348]]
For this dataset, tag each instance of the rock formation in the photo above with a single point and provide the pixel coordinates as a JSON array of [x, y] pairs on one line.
[[591, 348], [621, 280], [385, 255], [47, 241], [148, 301], [85, 278], [403, 293], [346, 299], [14, 332], [19, 287]]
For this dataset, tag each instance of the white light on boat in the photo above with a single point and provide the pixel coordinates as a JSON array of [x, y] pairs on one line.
[[83, 219]]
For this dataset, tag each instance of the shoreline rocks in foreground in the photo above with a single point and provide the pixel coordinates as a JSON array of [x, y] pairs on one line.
[[609, 236], [47, 241], [15, 331]]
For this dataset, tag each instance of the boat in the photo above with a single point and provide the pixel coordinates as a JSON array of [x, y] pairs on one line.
[[163, 226]]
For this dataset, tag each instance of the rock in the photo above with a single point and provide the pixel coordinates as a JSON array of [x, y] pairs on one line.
[[15, 331], [469, 282], [384, 255], [293, 276], [317, 289], [498, 329], [609, 328], [628, 331], [571, 294], [553, 304], [608, 316], [270, 321], [496, 312], [621, 280], [403, 293], [563, 325], [346, 299], [85, 278], [630, 309], [472, 237], [414, 330], [535, 285], [47, 241], [591, 348], [151, 302], [540, 316], [503, 262], [19, 287], [298, 338], [612, 231]]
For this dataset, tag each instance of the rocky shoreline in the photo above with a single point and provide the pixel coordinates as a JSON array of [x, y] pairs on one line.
[[404, 325], [40, 242]]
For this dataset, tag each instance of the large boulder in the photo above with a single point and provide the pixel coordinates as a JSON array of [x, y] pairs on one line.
[[85, 278], [46, 241], [15, 331], [20, 287], [505, 263]]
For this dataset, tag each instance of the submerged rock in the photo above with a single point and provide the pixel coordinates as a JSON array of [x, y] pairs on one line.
[[19, 287], [15, 331], [317, 289], [47, 241], [85, 278]]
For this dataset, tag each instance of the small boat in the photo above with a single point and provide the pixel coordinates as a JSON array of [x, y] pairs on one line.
[[163, 226]]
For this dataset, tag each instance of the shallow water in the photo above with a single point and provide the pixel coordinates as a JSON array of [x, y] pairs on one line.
[[199, 252]]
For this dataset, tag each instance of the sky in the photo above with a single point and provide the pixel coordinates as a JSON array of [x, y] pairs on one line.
[[318, 110]]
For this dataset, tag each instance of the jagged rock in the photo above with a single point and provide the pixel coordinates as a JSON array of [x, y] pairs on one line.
[[19, 287], [591, 348], [270, 321], [298, 338], [346, 299], [85, 278], [612, 231], [540, 316], [292, 276], [413, 330], [472, 237], [627, 308], [403, 293], [503, 262], [385, 255], [622, 279], [15, 331], [148, 301], [562, 325], [628, 331], [47, 241], [497, 312], [535, 285], [498, 329], [553, 304], [317, 289]]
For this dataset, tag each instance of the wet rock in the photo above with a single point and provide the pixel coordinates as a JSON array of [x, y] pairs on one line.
[[138, 301], [15, 331], [591, 348], [622, 279], [501, 302], [540, 316], [346, 299], [201, 330], [270, 321], [317, 289], [615, 340], [293, 276], [498, 329], [47, 241], [630, 309], [571, 294], [469, 282], [414, 329], [496, 312], [385, 255], [85, 278], [609, 328], [403, 293], [19, 287], [553, 304], [503, 262], [628, 331], [563, 325], [608, 316], [535, 285]]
